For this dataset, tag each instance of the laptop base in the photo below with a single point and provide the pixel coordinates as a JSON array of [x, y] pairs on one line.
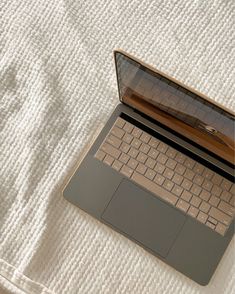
[[195, 250]]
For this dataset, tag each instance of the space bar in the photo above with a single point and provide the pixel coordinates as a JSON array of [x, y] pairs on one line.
[[154, 188]]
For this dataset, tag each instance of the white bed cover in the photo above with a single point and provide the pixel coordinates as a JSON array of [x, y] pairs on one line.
[[57, 84]]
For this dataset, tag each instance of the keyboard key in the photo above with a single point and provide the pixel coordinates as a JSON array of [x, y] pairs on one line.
[[195, 201], [162, 158], [198, 180], [141, 168], [109, 149], [153, 153], [127, 171], [136, 143], [127, 138], [177, 179], [171, 152], [207, 185], [214, 200], [128, 127], [136, 132], [150, 163], [125, 147], [180, 169], [112, 140], [189, 174], [144, 148], [177, 190], [216, 190], [154, 188], [132, 163], [187, 184], [202, 217], [154, 142], [117, 132], [227, 208], [108, 159], [193, 211], [226, 196], [183, 205], [100, 155], [162, 147], [221, 229], [217, 179], [142, 157], [226, 184], [145, 137], [205, 195], [150, 174], [117, 165], [159, 168], [159, 179], [232, 201], [208, 173], [220, 216], [133, 152], [124, 158], [195, 189], [204, 207], [120, 122], [212, 226], [168, 185], [171, 163], [186, 195], [189, 163], [168, 173], [198, 168], [232, 189], [180, 157], [212, 220]]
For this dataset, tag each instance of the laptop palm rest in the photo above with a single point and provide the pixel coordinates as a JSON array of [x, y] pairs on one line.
[[144, 218]]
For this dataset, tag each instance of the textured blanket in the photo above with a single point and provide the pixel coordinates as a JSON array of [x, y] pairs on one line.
[[57, 84]]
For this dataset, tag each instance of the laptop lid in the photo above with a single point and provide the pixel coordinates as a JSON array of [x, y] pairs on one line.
[[176, 106]]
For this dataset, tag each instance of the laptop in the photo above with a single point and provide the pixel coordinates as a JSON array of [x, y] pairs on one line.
[[161, 171]]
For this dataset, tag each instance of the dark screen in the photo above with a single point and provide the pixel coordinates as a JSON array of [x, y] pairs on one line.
[[178, 108]]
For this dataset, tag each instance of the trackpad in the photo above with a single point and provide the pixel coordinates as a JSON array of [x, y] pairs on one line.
[[144, 217]]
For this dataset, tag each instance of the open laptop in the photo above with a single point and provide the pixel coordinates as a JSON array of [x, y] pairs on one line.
[[161, 172]]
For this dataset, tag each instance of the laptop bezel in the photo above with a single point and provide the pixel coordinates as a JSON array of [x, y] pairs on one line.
[[157, 71]]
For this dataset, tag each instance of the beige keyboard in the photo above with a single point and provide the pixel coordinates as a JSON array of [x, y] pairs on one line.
[[170, 175]]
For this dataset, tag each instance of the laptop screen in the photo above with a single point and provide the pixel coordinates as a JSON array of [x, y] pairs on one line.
[[169, 103]]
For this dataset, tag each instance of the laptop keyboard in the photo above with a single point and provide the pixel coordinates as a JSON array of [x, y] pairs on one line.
[[170, 175]]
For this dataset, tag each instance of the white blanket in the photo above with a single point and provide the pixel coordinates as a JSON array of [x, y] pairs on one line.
[[57, 84]]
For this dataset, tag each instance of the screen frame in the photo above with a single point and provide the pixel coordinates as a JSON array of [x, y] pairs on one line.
[[154, 70]]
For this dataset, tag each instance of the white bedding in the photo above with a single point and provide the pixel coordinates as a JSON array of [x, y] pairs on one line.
[[57, 84]]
